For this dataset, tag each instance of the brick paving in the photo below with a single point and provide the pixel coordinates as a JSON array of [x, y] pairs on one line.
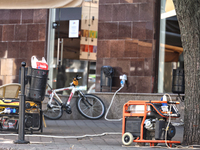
[[61, 136]]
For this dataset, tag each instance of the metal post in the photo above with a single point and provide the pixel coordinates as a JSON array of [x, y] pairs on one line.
[[22, 108]]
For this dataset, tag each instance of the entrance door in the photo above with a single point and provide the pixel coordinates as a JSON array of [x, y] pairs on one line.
[[65, 63], [72, 51]]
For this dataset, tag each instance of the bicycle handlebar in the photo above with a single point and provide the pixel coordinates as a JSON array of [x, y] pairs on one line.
[[72, 83], [77, 77]]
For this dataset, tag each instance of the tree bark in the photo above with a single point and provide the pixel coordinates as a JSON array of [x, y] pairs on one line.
[[188, 14]]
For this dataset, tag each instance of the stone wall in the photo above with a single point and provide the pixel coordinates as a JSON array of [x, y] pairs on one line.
[[23, 33], [117, 106], [127, 36]]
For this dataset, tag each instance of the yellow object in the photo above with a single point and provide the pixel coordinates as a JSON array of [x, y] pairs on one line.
[[75, 82], [45, 125], [9, 102], [93, 34]]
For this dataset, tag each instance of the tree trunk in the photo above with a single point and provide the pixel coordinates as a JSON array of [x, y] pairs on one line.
[[188, 14]]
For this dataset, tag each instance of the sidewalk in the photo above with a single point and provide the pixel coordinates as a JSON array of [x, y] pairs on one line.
[[60, 135]]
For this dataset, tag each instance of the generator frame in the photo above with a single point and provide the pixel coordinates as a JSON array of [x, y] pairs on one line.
[[14, 103], [128, 113]]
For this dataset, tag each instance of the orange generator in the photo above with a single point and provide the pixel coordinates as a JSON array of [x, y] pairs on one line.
[[149, 122]]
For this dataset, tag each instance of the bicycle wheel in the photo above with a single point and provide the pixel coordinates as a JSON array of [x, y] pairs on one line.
[[54, 112], [92, 107]]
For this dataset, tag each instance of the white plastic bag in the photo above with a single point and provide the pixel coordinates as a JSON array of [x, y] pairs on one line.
[[43, 60], [35, 63]]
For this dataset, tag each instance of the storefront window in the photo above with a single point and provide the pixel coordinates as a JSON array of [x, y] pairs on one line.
[[72, 45], [170, 51], [88, 43]]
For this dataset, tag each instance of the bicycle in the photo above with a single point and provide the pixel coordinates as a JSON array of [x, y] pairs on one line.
[[88, 105]]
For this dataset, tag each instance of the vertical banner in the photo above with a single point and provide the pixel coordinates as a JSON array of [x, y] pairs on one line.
[[73, 28]]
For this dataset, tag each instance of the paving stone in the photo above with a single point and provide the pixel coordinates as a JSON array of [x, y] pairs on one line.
[[60, 140], [60, 133], [44, 139]]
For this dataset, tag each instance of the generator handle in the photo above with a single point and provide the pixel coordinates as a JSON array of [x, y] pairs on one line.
[[173, 102]]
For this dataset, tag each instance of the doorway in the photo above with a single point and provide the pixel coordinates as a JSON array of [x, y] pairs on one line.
[[72, 44], [64, 62]]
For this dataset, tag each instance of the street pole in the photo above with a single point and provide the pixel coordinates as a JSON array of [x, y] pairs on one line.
[[22, 108]]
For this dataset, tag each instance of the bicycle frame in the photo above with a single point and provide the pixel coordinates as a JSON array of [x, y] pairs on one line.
[[73, 90], [89, 106]]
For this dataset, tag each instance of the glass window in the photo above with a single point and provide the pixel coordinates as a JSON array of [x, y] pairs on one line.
[[170, 49], [76, 54]]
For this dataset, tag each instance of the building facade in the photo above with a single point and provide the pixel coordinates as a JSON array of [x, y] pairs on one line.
[[23, 33], [127, 41], [123, 34]]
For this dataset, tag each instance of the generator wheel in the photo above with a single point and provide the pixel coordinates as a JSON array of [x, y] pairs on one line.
[[127, 138]]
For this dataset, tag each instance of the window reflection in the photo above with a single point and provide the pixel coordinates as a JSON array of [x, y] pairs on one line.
[[170, 51]]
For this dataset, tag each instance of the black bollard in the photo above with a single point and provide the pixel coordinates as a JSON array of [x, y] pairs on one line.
[[22, 108]]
